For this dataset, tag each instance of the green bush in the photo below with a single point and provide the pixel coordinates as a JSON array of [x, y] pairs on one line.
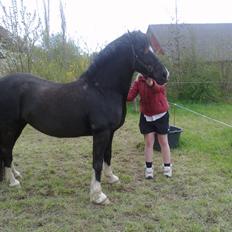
[[195, 81], [60, 62]]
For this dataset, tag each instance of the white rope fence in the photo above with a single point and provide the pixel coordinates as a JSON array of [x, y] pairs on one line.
[[202, 115], [199, 82]]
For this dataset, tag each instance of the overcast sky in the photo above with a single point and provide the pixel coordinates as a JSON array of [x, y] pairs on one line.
[[97, 22]]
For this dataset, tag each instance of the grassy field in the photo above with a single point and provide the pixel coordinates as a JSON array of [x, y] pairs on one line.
[[56, 176]]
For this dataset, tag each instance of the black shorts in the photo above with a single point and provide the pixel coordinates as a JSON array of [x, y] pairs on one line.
[[160, 126]]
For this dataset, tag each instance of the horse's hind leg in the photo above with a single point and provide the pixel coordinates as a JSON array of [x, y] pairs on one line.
[[7, 156], [2, 169], [16, 173], [111, 178], [8, 137]]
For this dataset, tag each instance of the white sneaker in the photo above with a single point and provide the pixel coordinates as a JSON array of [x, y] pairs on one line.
[[149, 173], [168, 171]]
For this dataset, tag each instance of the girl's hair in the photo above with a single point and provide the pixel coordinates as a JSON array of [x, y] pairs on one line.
[[137, 77]]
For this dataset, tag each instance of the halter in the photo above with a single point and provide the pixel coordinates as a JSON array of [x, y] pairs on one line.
[[136, 57]]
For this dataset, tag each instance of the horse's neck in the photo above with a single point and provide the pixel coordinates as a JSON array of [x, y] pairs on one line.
[[115, 76]]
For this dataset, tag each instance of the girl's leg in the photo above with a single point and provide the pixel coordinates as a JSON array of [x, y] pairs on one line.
[[166, 154], [148, 154], [165, 149], [149, 142]]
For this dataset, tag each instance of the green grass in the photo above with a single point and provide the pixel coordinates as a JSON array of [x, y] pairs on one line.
[[56, 176]]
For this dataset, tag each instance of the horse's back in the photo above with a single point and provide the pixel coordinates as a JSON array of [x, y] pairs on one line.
[[14, 84], [12, 89], [18, 80]]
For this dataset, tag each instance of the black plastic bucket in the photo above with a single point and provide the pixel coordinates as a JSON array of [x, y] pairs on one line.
[[173, 138]]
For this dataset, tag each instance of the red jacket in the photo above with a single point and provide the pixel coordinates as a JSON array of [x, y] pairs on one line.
[[153, 98]]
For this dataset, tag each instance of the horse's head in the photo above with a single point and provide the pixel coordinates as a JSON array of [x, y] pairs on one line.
[[144, 59]]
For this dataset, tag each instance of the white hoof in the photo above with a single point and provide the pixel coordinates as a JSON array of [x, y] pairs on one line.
[[96, 194], [112, 179], [16, 184], [99, 199], [10, 178]]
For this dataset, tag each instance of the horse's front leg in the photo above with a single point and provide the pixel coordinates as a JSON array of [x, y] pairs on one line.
[[100, 142], [111, 178]]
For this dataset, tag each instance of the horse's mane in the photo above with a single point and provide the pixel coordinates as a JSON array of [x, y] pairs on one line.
[[113, 48], [107, 53]]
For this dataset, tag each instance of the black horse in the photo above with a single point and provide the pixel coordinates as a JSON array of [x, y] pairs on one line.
[[94, 105]]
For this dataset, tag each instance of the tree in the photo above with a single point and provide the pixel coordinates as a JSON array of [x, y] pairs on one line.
[[30, 47], [46, 32], [24, 31], [63, 34]]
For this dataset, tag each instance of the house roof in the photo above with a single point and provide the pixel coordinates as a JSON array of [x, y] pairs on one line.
[[209, 42]]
